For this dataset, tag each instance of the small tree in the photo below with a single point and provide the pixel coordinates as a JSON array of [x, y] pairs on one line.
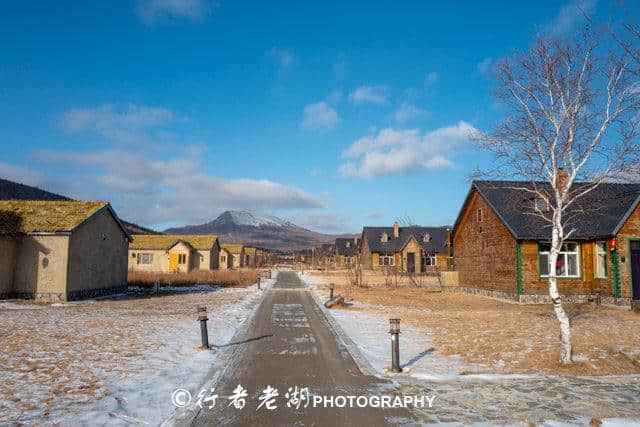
[[570, 124]]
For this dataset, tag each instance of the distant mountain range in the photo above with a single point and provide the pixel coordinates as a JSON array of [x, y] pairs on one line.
[[257, 230], [240, 226]]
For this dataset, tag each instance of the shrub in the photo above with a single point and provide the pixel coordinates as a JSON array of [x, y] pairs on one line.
[[213, 277]]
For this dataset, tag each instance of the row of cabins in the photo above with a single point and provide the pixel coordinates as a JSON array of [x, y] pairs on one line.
[[185, 253], [70, 249], [500, 248], [410, 249], [66, 250]]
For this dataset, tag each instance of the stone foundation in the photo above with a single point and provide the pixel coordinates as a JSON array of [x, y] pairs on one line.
[[537, 298], [61, 297]]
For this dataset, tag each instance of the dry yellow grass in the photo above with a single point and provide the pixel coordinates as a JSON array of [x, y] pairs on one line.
[[214, 277], [524, 337]]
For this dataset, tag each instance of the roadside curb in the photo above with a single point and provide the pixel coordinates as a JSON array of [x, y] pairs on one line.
[[353, 349]]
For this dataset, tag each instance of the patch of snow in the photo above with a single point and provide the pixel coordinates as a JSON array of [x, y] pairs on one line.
[[253, 219], [370, 333], [14, 306], [140, 392], [579, 358]]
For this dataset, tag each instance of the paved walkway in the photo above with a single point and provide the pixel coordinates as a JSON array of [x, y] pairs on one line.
[[288, 344], [529, 400]]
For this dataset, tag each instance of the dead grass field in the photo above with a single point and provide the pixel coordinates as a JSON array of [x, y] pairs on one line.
[[211, 277], [59, 357], [499, 337]]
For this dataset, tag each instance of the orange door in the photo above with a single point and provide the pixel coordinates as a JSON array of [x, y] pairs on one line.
[[173, 262]]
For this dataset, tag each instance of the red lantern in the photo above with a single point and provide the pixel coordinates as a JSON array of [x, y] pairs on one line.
[[612, 245]]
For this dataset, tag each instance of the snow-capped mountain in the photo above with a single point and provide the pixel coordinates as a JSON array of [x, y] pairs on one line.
[[255, 229], [246, 217]]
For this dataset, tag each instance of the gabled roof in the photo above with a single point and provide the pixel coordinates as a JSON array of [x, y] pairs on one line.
[[49, 216], [166, 241], [598, 214], [234, 248], [437, 243], [346, 246]]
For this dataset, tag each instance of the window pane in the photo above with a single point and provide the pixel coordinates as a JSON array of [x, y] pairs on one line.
[[570, 247], [572, 262], [545, 247], [602, 265], [561, 265], [544, 264]]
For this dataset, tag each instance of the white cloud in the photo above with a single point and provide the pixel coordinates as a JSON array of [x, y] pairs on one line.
[[169, 190], [284, 58], [319, 116], [407, 112], [153, 11], [121, 124], [399, 151], [432, 78], [372, 94], [571, 14]]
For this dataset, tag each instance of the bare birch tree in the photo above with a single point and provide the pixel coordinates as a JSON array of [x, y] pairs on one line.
[[570, 125]]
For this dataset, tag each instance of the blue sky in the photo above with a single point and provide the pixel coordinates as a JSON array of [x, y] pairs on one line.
[[333, 114]]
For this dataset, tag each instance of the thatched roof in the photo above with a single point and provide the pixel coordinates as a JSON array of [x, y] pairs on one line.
[[166, 241], [233, 248], [32, 216]]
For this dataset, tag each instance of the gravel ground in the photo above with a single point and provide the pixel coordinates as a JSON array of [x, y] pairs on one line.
[[114, 359]]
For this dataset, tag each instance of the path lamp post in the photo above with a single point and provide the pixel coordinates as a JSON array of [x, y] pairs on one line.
[[202, 318], [331, 291], [258, 283], [395, 344]]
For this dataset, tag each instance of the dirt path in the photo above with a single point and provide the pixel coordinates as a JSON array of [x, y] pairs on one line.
[[289, 343]]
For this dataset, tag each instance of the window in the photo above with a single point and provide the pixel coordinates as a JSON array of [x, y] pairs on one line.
[[384, 238], [480, 215], [568, 264], [145, 258], [348, 244], [540, 205], [426, 238], [387, 260], [601, 260], [429, 260], [182, 258]]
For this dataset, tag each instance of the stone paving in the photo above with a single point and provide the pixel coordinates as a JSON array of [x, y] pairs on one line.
[[528, 400]]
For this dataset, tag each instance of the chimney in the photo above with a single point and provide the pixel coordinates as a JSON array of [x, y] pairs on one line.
[[562, 179], [396, 231]]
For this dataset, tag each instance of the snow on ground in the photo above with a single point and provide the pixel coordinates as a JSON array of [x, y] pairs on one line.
[[370, 333], [418, 358], [116, 360]]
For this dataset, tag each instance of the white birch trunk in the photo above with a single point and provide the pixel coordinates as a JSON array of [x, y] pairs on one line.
[[563, 319]]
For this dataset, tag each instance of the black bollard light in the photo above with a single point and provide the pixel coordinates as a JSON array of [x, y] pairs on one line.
[[202, 318], [395, 344], [331, 291], [258, 283]]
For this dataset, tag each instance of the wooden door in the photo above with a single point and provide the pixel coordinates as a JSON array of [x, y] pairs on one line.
[[411, 262], [635, 268], [173, 262]]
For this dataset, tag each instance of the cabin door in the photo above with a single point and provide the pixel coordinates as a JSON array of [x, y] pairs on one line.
[[635, 268], [411, 262], [173, 262]]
